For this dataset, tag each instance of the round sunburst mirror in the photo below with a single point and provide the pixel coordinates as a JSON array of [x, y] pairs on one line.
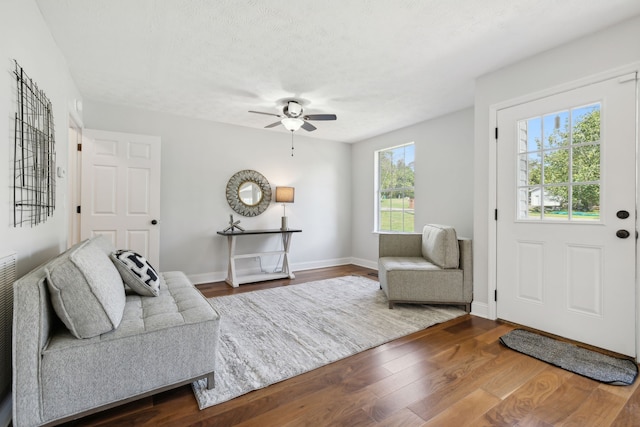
[[248, 193]]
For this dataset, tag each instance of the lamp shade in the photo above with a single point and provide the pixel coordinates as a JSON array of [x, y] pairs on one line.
[[285, 194], [291, 123]]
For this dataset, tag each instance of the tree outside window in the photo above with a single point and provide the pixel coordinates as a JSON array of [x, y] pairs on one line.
[[396, 188], [560, 165]]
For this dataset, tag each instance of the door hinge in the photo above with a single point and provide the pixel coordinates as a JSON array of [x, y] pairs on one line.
[[495, 295], [495, 214], [77, 209], [496, 134], [79, 147]]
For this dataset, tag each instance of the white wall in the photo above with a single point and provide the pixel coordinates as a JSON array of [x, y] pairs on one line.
[[602, 51], [443, 172], [25, 37], [199, 157]]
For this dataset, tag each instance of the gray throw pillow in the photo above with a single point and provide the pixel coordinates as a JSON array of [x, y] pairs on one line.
[[86, 290], [136, 272]]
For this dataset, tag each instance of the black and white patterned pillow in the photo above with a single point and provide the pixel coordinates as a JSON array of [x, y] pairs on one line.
[[136, 272]]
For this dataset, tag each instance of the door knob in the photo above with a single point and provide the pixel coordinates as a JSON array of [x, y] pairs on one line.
[[623, 234], [622, 214], [154, 221]]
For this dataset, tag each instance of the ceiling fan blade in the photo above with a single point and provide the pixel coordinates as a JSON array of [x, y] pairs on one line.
[[320, 117], [272, 125], [266, 114], [308, 127]]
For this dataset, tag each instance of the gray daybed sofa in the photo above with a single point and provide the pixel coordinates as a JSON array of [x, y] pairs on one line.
[[432, 267], [152, 343]]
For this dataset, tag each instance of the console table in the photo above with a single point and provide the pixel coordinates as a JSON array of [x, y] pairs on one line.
[[232, 277]]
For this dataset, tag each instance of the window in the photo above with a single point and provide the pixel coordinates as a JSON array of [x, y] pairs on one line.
[[395, 188], [559, 166]]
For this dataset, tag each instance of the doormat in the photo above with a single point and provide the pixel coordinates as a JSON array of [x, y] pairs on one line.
[[590, 364]]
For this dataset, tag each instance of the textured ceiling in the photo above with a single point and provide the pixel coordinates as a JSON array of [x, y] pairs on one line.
[[378, 64]]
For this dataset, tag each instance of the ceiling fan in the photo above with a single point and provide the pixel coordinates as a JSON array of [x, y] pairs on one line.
[[292, 117]]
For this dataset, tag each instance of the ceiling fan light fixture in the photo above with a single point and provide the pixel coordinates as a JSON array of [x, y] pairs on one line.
[[292, 124]]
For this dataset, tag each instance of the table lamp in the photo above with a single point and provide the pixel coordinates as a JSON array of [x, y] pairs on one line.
[[284, 195]]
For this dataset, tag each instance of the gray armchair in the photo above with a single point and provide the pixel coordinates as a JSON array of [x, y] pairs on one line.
[[434, 267]]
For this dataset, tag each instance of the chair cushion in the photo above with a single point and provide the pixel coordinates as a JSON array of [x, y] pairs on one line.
[[136, 272], [440, 245], [86, 290], [393, 263]]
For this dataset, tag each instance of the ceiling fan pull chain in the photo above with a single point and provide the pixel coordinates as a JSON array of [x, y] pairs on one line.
[[291, 143]]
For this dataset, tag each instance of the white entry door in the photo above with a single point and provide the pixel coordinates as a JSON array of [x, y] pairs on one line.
[[566, 237], [121, 190]]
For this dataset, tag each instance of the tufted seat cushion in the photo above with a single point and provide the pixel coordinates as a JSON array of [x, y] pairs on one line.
[[414, 277], [155, 336], [408, 263]]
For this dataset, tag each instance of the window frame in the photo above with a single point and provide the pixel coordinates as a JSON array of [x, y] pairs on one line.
[[542, 152], [378, 190]]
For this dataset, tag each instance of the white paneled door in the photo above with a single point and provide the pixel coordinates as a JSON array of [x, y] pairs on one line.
[[566, 237], [121, 190]]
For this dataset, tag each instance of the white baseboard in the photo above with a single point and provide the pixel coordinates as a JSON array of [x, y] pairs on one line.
[[480, 309], [218, 276], [365, 263], [198, 279], [320, 264], [6, 411]]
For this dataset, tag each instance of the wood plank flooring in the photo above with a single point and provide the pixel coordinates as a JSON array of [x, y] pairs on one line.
[[452, 374]]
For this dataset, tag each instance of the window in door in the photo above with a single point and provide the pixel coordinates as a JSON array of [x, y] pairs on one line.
[[559, 165], [395, 179]]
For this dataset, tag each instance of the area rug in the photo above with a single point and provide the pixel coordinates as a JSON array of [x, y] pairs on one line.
[[590, 364], [270, 335]]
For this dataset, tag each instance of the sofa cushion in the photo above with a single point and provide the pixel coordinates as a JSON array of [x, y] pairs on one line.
[[440, 245], [86, 290], [136, 272], [104, 242]]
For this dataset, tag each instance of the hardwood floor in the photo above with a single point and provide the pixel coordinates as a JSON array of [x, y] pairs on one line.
[[452, 374]]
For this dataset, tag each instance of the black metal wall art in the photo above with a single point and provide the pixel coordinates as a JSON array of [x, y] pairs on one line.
[[34, 162]]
